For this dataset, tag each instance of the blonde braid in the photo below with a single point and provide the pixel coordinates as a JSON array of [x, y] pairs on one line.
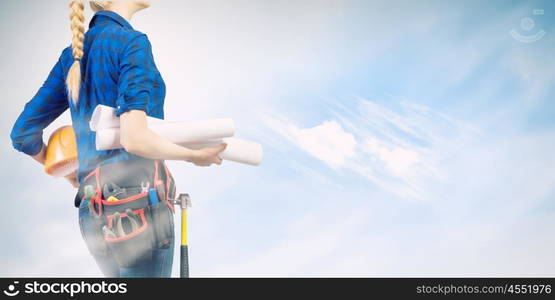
[[77, 18]]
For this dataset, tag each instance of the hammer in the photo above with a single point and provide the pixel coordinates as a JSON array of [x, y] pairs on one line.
[[184, 201]]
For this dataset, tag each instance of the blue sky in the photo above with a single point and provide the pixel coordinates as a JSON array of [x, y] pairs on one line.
[[400, 138]]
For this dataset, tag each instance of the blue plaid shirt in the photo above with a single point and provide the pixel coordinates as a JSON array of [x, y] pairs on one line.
[[117, 69]]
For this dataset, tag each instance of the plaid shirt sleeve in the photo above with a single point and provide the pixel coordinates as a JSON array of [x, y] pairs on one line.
[[48, 103], [137, 76]]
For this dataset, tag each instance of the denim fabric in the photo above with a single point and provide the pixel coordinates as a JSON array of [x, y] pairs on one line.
[[159, 266]]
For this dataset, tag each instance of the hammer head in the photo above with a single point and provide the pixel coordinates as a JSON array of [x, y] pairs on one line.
[[183, 200]]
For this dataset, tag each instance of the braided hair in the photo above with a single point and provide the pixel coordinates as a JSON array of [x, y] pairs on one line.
[[76, 18]]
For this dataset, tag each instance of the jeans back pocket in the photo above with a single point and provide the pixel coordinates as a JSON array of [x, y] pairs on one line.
[[129, 237]]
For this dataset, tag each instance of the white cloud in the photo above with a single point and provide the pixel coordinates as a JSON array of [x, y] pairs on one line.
[[328, 141], [397, 160], [405, 145]]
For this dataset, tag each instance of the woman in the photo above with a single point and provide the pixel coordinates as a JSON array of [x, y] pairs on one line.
[[112, 64]]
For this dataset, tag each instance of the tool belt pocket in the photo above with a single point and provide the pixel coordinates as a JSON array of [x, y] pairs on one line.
[[162, 224], [134, 202], [129, 237]]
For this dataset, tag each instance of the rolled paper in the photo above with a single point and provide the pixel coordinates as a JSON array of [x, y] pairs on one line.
[[176, 132], [105, 117], [237, 150], [191, 134]]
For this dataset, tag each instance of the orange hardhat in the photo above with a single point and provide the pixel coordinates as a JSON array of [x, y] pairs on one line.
[[61, 153]]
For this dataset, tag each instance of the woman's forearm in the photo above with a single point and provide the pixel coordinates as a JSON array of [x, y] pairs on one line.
[[150, 145], [137, 138]]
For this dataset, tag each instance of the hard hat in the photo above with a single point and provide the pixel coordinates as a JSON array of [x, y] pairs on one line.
[[61, 153]]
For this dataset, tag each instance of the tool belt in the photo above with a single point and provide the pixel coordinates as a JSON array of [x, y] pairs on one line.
[[132, 213]]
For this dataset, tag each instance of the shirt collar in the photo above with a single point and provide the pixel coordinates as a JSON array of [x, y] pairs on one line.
[[110, 15]]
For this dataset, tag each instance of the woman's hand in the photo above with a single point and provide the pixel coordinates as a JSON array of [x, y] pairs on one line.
[[72, 178], [206, 156]]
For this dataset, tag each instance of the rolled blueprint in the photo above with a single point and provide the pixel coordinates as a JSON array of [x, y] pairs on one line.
[[176, 132], [105, 117], [238, 150], [191, 134]]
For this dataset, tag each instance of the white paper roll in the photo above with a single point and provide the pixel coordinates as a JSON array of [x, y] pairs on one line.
[[176, 132], [191, 134], [105, 117], [238, 150]]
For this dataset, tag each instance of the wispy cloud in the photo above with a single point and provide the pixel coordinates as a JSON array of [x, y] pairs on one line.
[[399, 149], [476, 223]]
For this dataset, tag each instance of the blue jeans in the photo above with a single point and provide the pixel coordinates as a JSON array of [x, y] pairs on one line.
[[159, 266]]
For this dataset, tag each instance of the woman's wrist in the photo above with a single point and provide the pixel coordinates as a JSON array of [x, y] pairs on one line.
[[41, 156], [190, 154], [71, 177]]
